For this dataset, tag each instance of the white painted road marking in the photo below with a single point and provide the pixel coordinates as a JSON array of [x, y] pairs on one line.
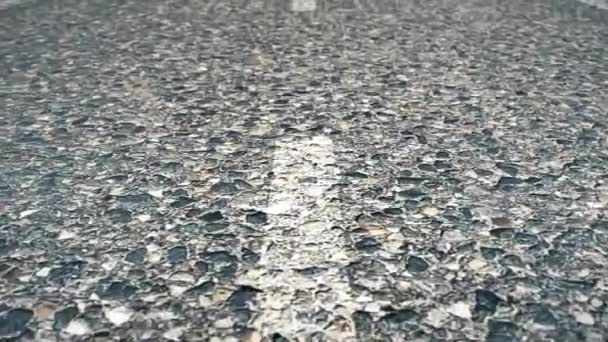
[[602, 4], [300, 236], [303, 5], [4, 4]]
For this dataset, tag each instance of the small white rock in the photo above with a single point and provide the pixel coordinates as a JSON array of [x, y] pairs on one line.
[[118, 315], [430, 211], [280, 207], [161, 315], [453, 266], [182, 277], [144, 218], [43, 272], [156, 193], [314, 227], [224, 323], [203, 301], [174, 334], [584, 317], [476, 264], [25, 278], [373, 307], [436, 317], [460, 309], [584, 273], [27, 213], [153, 253], [596, 302], [66, 235], [78, 327], [176, 290], [117, 191], [453, 235], [109, 265]]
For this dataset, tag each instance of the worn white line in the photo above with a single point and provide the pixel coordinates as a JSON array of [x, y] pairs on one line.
[[300, 236], [5, 4], [303, 5], [602, 4]]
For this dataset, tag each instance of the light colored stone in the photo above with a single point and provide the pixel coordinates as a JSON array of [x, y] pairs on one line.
[[44, 311], [43, 272], [27, 213], [430, 211], [174, 334], [118, 315], [460, 309], [584, 317], [476, 264], [78, 327], [224, 323], [436, 317]]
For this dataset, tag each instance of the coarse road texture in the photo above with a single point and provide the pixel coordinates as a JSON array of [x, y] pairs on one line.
[[300, 170]]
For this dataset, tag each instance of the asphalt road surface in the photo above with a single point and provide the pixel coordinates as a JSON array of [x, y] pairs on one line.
[[303, 170]]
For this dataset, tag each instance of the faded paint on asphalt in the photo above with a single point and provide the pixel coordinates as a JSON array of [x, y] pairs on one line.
[[303, 253]]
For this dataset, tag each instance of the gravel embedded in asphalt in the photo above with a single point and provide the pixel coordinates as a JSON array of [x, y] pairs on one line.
[[303, 170]]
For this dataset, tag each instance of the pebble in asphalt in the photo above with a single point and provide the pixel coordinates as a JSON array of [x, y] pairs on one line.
[[303, 170]]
